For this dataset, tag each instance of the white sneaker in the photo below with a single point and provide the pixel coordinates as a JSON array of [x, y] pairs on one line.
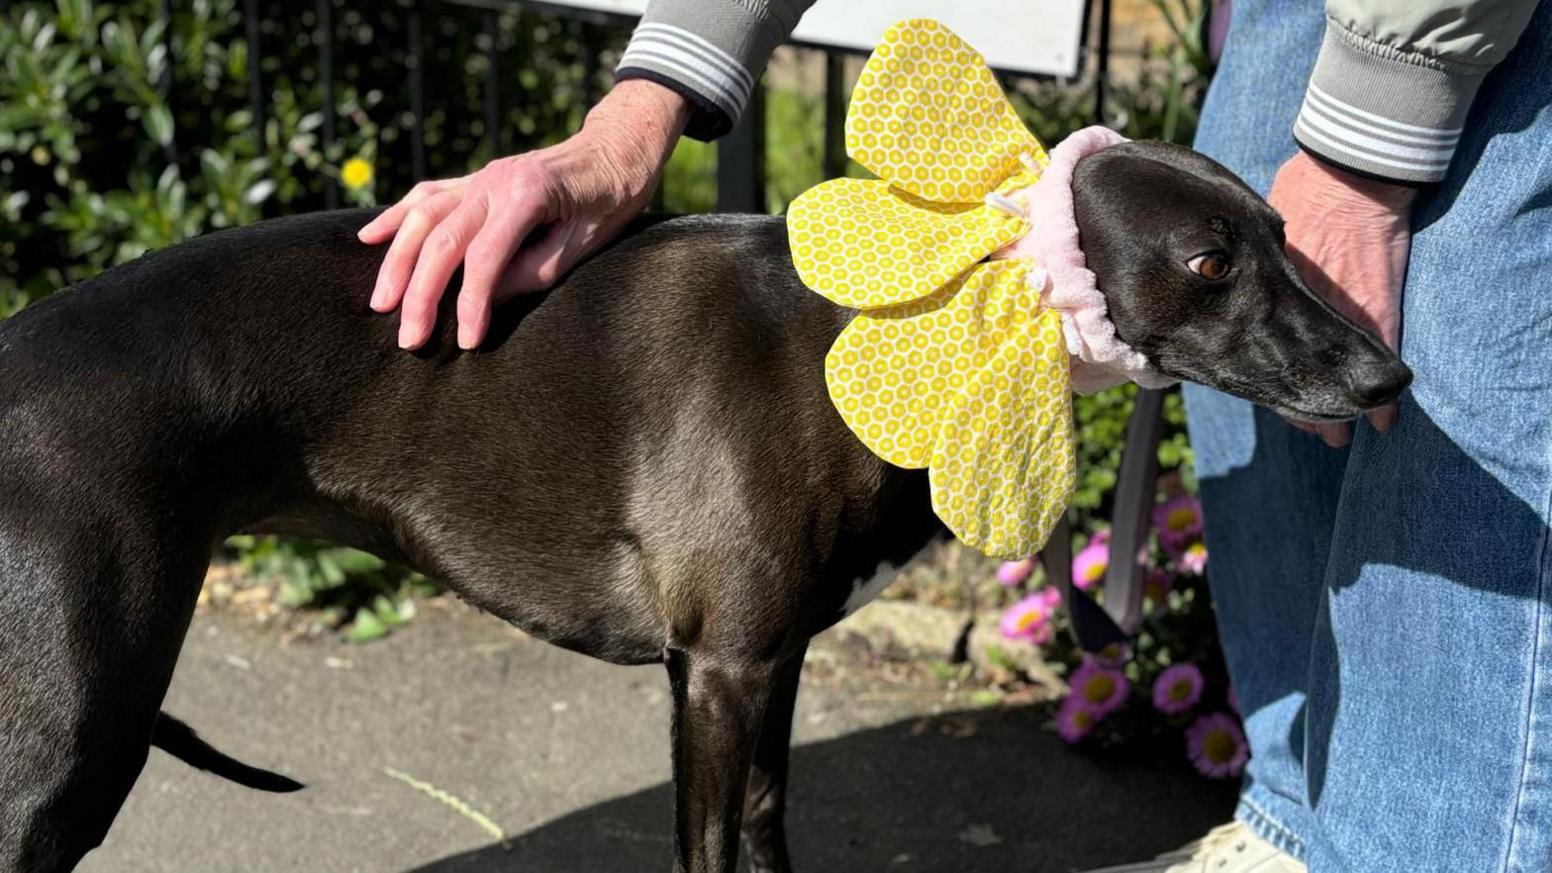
[[1230, 848]]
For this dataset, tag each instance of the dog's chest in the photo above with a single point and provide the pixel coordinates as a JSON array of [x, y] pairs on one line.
[[864, 590]]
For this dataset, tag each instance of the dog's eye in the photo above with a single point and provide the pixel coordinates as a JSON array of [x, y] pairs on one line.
[[1210, 265]]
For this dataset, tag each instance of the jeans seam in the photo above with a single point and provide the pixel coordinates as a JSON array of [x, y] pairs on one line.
[[1279, 834], [1532, 690]]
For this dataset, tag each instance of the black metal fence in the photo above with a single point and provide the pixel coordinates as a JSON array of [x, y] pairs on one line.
[[740, 161]]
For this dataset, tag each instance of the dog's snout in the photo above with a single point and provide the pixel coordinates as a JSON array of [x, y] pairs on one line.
[[1376, 383]]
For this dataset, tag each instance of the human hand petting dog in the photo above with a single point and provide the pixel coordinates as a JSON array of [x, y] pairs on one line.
[[521, 222], [1349, 237]]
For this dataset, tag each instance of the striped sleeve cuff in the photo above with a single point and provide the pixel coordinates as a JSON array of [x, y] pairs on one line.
[[714, 82], [1376, 112], [712, 53]]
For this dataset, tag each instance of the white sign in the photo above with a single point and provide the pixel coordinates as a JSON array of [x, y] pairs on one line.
[[1023, 36]]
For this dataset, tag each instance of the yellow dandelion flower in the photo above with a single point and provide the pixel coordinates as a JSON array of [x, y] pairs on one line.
[[357, 173]]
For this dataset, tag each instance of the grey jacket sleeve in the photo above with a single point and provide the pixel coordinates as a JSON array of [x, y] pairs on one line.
[[710, 51], [1395, 78]]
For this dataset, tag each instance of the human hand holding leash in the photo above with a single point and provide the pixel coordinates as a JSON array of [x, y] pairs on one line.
[[1349, 237], [521, 222]]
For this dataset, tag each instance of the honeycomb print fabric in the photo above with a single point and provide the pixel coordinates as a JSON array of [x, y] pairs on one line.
[[952, 362]]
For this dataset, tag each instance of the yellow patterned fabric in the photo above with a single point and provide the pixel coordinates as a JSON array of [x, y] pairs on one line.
[[865, 245], [932, 118], [951, 363]]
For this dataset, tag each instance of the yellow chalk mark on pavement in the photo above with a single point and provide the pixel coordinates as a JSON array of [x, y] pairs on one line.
[[458, 805]]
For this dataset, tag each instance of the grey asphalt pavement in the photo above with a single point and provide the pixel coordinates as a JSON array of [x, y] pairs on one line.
[[569, 757]]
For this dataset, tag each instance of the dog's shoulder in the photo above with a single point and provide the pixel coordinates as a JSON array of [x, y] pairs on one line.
[[709, 236]]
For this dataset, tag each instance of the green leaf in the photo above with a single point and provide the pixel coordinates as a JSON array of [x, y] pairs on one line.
[[985, 697], [387, 611], [332, 575], [259, 191], [358, 563], [366, 627], [214, 164], [158, 123]]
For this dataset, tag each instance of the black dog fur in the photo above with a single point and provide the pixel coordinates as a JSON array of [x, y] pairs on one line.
[[662, 414]]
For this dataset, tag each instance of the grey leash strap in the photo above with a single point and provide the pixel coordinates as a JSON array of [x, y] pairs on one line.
[[1097, 627]]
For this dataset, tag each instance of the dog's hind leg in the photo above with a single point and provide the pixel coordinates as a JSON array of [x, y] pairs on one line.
[[93, 609], [765, 799], [719, 704]]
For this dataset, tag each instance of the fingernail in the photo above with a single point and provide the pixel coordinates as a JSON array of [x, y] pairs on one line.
[[377, 298], [406, 340], [466, 338]]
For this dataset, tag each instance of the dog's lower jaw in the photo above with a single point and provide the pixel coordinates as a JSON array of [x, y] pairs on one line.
[[1319, 404], [1303, 417]]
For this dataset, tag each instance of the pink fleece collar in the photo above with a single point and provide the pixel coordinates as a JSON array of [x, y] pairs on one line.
[[1100, 359]]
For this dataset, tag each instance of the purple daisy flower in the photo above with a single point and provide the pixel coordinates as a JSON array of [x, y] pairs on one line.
[[1216, 746], [1156, 585], [1178, 520], [1178, 688], [1073, 721], [1013, 573], [1089, 565], [1029, 619], [1099, 689]]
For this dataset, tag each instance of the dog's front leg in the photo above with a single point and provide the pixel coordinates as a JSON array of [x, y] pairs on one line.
[[719, 704], [765, 800]]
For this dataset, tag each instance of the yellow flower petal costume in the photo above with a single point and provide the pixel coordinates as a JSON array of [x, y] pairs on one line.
[[952, 362]]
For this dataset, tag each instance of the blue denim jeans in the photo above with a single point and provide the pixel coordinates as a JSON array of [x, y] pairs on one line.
[[1385, 608]]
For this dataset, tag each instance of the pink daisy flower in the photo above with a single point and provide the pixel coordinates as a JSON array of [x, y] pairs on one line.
[[1100, 690], [1073, 721], [1178, 520], [1216, 746], [1193, 560], [1029, 619], [1100, 536], [1013, 573], [1156, 585], [1177, 689], [1089, 565]]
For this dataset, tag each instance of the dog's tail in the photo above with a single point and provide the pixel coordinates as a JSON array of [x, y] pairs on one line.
[[179, 740]]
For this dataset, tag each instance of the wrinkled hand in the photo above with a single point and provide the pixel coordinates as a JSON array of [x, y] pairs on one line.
[[1349, 237], [520, 223]]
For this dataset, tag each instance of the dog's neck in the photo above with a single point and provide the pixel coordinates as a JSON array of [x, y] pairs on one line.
[[1100, 358]]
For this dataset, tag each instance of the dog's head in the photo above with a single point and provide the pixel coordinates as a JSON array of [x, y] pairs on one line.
[[1193, 268]]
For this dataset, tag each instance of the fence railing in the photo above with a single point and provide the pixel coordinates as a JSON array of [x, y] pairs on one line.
[[740, 165]]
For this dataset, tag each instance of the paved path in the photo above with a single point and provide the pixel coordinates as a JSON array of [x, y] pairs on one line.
[[570, 757]]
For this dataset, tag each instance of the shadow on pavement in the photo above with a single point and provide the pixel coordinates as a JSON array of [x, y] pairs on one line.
[[916, 796]]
